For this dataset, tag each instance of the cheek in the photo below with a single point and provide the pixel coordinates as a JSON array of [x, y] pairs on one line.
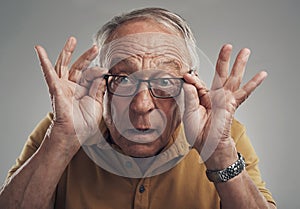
[[171, 110], [115, 111], [109, 109]]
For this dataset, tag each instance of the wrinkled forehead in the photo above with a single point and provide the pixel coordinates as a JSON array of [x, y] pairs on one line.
[[158, 47]]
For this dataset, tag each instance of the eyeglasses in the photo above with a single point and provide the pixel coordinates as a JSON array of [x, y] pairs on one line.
[[127, 86]]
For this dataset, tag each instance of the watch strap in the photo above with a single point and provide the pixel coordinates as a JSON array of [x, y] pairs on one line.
[[228, 173]]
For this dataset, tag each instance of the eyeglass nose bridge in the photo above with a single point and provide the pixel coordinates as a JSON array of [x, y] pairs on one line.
[[138, 86]]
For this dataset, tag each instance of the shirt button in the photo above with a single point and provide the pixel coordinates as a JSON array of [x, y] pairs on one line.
[[128, 164], [142, 189]]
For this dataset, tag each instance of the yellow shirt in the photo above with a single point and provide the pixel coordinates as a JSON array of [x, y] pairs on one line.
[[85, 185]]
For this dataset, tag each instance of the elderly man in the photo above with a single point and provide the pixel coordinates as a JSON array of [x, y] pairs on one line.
[[138, 128]]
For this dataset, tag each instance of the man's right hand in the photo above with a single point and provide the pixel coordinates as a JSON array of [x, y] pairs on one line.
[[76, 95]]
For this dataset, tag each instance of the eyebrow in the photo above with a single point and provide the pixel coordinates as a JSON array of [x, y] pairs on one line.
[[128, 66], [174, 64], [120, 65], [120, 60], [171, 62]]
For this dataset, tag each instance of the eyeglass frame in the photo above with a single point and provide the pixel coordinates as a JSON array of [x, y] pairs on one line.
[[139, 81]]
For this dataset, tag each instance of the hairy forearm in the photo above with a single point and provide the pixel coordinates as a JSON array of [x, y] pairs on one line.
[[241, 192], [33, 185]]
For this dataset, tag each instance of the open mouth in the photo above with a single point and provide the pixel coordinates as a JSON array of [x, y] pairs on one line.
[[142, 131], [141, 135]]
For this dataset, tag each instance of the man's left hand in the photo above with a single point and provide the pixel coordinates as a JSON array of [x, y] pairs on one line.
[[209, 114]]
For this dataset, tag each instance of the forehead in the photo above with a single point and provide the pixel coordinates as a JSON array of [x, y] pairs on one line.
[[153, 47]]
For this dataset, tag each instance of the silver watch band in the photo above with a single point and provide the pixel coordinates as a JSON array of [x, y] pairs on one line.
[[228, 173]]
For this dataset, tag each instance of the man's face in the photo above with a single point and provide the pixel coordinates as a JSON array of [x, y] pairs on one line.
[[141, 124]]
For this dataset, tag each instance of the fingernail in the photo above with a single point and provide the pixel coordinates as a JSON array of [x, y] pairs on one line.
[[227, 45], [36, 48], [71, 40], [265, 73], [94, 48], [188, 75], [247, 54]]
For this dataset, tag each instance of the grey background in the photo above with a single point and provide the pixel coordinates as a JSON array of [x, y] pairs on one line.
[[270, 28]]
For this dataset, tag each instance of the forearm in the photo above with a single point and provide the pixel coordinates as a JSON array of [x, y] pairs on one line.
[[34, 184], [240, 191]]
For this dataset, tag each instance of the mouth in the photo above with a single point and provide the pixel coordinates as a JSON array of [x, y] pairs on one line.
[[141, 136]]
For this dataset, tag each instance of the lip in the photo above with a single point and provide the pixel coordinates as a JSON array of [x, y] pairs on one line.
[[141, 136]]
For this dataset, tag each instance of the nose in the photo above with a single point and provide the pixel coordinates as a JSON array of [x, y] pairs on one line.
[[142, 102]]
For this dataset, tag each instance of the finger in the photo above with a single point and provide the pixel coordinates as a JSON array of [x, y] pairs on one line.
[[191, 99], [49, 73], [82, 63], [97, 89], [222, 67], [242, 94], [238, 70], [94, 72], [201, 90], [89, 75], [195, 80], [194, 112], [64, 58]]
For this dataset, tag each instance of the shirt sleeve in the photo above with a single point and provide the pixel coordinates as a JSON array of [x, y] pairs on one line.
[[244, 146], [32, 144]]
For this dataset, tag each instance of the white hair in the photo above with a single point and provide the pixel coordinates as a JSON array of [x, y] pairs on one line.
[[169, 19]]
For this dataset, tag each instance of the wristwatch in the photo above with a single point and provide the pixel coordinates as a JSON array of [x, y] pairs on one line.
[[224, 175]]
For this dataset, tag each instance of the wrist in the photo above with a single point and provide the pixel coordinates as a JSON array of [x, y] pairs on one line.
[[228, 173], [223, 156], [64, 143]]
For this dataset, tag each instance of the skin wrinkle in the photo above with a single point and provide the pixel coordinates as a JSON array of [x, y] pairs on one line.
[[156, 58], [133, 64], [145, 43], [118, 57]]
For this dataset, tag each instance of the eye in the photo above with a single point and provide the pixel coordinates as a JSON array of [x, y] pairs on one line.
[[164, 82], [123, 80]]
